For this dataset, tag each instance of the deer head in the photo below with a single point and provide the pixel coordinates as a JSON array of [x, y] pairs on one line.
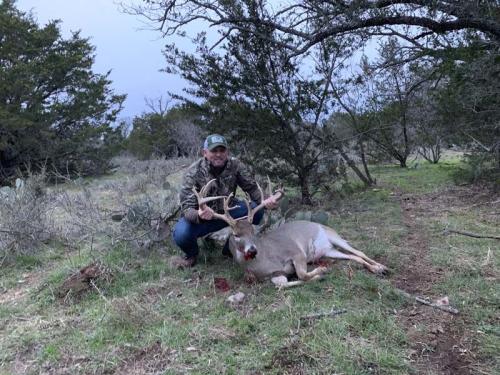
[[243, 234]]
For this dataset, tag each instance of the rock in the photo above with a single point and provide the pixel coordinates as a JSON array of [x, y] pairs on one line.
[[236, 298], [444, 301], [7, 193], [118, 217]]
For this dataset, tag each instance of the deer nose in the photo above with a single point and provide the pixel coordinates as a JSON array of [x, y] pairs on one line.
[[252, 251]]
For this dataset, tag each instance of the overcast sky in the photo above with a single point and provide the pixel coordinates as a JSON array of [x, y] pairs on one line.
[[123, 46]]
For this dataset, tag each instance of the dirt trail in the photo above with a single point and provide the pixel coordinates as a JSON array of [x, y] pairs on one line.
[[440, 342]]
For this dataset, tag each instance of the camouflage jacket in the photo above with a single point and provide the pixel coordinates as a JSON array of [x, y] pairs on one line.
[[234, 174]]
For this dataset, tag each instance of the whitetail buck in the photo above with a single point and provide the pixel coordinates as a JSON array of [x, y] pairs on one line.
[[287, 249]]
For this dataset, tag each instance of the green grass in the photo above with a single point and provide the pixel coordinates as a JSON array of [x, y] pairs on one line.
[[426, 177], [179, 322]]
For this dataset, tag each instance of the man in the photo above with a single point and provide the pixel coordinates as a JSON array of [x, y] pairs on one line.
[[228, 173]]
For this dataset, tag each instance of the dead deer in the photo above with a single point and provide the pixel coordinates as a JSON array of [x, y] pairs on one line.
[[287, 249]]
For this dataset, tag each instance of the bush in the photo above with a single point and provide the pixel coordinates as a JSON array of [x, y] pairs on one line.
[[479, 167], [25, 216]]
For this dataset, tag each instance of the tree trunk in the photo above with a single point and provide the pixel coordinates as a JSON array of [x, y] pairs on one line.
[[367, 181], [304, 190], [365, 165]]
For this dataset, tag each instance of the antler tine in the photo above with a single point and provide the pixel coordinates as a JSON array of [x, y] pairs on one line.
[[280, 189], [226, 217], [204, 189], [269, 186], [201, 195], [249, 216], [203, 200], [252, 212]]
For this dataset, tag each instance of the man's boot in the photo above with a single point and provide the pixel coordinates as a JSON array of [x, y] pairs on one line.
[[178, 262]]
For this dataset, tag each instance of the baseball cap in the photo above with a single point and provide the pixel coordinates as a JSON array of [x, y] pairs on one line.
[[214, 141]]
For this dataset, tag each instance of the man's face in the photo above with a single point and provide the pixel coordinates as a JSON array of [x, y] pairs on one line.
[[217, 157]]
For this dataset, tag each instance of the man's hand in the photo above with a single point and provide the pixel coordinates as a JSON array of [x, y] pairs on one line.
[[205, 213], [271, 203]]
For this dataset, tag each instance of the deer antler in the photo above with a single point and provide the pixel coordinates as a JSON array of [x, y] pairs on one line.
[[203, 200], [201, 196], [278, 194], [226, 217]]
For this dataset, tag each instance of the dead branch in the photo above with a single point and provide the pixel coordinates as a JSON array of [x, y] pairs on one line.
[[470, 234], [424, 301], [330, 313]]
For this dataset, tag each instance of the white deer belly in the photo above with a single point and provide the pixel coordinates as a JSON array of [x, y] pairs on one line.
[[318, 245]]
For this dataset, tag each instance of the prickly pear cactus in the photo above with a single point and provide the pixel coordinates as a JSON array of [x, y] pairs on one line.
[[320, 217], [302, 215]]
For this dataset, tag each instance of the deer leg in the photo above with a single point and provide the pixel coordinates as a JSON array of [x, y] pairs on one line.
[[375, 268], [282, 282], [301, 270], [338, 241]]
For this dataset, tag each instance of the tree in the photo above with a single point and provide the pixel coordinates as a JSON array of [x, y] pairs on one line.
[[166, 132], [53, 109], [301, 25], [253, 91], [470, 103]]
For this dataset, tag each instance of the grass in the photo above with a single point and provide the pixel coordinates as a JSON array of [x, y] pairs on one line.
[[160, 320]]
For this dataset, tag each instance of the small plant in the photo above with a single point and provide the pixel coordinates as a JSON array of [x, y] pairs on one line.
[[25, 216]]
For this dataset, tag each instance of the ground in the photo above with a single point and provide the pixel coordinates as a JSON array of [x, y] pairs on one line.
[[146, 318]]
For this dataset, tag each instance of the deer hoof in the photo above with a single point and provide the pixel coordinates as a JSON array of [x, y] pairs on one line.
[[321, 270], [379, 269]]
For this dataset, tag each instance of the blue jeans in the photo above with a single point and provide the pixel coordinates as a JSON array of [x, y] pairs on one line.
[[186, 233]]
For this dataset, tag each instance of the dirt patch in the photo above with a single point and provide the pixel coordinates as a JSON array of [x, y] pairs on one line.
[[417, 274], [440, 342], [85, 279], [291, 359], [26, 282]]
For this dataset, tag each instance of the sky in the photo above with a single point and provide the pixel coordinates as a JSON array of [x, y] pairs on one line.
[[123, 45]]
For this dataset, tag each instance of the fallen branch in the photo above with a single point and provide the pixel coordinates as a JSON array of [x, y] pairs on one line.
[[475, 235], [321, 315], [424, 301]]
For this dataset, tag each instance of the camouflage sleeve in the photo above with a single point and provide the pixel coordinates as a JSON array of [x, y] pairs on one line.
[[189, 204], [246, 181]]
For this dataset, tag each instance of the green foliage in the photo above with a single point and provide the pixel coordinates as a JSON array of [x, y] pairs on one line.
[[479, 166], [254, 93], [171, 133], [471, 105], [150, 136], [53, 109]]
